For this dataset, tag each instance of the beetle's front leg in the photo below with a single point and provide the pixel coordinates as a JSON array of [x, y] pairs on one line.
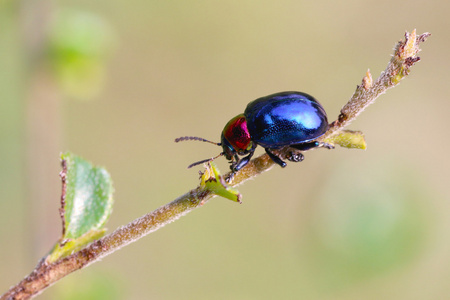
[[238, 164], [234, 161], [244, 161]]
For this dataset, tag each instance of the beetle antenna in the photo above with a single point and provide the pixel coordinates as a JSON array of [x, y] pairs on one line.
[[205, 160], [195, 138]]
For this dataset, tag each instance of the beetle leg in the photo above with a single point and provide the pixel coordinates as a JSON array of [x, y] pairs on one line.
[[229, 179], [305, 146], [275, 158], [310, 145], [295, 156], [325, 145], [240, 164], [234, 161]]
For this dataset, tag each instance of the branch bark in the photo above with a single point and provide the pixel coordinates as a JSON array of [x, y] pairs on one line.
[[46, 274]]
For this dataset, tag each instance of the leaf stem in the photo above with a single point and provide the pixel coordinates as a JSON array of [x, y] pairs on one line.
[[46, 274]]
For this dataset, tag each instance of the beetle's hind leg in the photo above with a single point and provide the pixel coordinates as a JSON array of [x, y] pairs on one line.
[[310, 145], [325, 145]]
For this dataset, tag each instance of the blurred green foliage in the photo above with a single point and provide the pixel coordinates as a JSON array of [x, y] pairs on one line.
[[364, 227], [79, 45], [94, 286]]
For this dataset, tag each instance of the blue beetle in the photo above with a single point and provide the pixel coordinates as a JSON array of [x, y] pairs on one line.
[[293, 119]]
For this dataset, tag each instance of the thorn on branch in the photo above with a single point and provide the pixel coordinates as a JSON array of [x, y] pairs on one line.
[[423, 37], [410, 61], [367, 81]]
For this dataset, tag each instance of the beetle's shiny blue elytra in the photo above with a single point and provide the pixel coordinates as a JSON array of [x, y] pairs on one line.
[[284, 119], [293, 119]]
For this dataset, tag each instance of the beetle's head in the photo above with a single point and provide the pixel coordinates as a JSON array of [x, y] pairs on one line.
[[235, 140]]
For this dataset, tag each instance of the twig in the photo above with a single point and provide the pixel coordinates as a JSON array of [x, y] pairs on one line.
[[44, 275]]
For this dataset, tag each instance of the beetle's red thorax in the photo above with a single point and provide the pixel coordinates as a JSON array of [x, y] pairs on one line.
[[236, 133]]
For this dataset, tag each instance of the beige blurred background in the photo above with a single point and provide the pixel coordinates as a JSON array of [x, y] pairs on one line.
[[343, 224]]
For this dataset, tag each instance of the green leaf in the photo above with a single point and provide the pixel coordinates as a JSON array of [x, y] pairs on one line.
[[86, 204], [213, 181]]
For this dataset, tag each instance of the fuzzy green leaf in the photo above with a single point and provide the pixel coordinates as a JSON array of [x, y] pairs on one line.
[[213, 181], [348, 139]]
